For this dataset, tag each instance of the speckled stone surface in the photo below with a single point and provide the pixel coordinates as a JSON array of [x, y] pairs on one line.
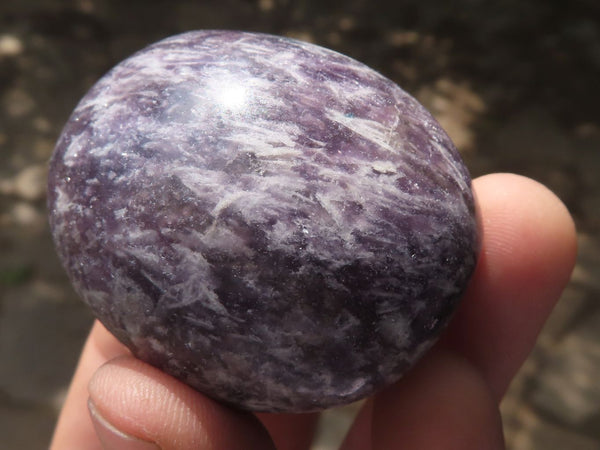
[[274, 223]]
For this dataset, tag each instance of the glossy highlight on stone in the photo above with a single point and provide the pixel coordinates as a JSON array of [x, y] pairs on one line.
[[273, 223]]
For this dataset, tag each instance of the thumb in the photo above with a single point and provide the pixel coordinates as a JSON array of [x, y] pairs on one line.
[[134, 406]]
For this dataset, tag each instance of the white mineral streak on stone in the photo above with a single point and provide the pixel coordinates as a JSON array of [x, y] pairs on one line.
[[219, 237], [354, 386], [189, 293], [120, 213], [145, 256], [276, 145], [384, 167], [228, 200], [132, 235], [157, 345], [201, 182], [63, 203], [452, 164], [369, 129], [76, 145]]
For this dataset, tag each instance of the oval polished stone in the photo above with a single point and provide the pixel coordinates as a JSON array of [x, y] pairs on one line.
[[273, 223]]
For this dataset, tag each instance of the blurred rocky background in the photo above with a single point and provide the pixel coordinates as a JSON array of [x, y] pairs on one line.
[[515, 83]]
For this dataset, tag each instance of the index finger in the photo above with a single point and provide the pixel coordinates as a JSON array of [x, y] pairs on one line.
[[528, 254]]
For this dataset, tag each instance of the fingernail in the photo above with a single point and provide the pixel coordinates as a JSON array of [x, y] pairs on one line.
[[113, 438]]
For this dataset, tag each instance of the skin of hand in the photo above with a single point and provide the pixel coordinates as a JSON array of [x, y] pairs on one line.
[[449, 400]]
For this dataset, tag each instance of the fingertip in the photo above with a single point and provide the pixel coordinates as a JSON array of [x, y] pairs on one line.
[[111, 437], [529, 245], [145, 403], [522, 217], [528, 252]]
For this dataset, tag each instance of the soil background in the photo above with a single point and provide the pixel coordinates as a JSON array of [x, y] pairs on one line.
[[515, 83]]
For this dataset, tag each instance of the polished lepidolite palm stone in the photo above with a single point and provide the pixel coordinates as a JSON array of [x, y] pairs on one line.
[[273, 223]]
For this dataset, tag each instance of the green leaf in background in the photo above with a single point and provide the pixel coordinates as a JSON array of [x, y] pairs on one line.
[[13, 276]]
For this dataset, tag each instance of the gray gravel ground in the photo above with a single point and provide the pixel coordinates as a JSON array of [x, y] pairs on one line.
[[514, 83]]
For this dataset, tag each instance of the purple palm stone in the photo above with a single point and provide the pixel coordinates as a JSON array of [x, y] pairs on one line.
[[271, 222]]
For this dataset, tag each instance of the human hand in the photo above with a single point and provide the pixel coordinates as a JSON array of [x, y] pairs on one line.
[[449, 400]]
